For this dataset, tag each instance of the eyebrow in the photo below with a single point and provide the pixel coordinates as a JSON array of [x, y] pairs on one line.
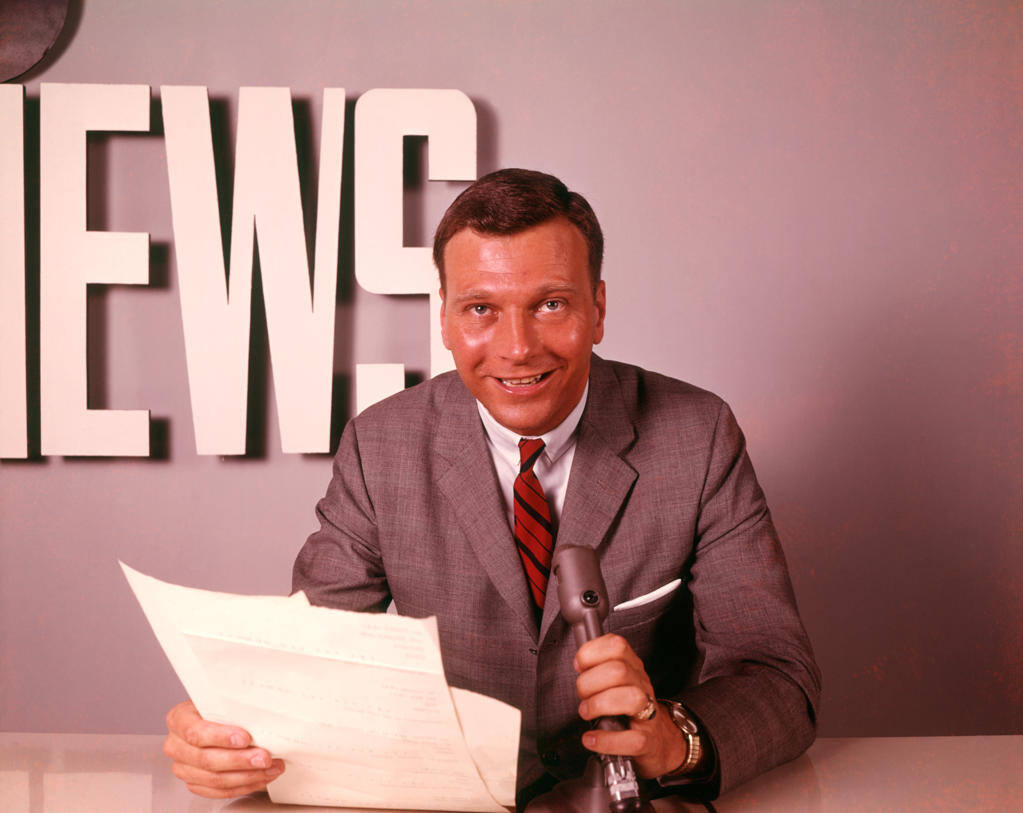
[[471, 294], [481, 293]]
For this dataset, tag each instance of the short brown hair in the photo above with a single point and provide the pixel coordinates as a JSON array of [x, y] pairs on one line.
[[512, 200]]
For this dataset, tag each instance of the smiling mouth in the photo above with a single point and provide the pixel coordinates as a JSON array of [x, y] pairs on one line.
[[524, 382]]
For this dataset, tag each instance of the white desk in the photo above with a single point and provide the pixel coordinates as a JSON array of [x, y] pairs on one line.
[[874, 774], [111, 773]]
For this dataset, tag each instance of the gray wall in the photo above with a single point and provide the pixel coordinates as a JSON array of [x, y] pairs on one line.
[[812, 208]]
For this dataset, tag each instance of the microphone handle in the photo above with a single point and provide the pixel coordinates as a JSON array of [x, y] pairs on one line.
[[589, 629], [619, 771]]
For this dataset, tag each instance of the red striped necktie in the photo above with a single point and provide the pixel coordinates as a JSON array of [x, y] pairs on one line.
[[534, 533]]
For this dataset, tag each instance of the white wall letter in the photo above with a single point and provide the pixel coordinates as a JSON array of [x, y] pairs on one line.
[[374, 382], [13, 409], [267, 202], [71, 257], [383, 117]]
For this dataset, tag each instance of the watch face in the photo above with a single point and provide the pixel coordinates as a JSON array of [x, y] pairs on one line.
[[682, 719]]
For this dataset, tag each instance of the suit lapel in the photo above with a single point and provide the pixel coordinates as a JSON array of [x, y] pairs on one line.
[[469, 483], [600, 480], [598, 486]]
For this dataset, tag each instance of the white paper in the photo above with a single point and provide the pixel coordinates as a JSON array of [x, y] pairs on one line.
[[356, 704]]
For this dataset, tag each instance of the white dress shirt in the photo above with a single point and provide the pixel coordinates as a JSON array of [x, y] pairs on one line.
[[552, 468]]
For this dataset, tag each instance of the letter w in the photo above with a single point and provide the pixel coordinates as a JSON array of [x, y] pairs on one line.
[[215, 308]]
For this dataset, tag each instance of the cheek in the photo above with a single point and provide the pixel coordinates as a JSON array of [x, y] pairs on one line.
[[465, 344], [568, 340]]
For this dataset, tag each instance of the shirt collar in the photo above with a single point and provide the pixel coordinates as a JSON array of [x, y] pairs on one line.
[[556, 442]]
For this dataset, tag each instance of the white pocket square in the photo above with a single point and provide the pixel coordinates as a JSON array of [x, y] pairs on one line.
[[639, 601]]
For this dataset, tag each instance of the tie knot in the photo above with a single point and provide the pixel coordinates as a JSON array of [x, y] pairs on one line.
[[530, 450]]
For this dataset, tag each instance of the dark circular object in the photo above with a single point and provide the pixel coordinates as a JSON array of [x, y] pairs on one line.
[[591, 598], [28, 28]]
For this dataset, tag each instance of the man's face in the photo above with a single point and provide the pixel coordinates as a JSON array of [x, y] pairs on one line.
[[520, 318]]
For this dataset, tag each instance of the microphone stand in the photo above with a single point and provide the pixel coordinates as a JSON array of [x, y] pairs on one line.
[[609, 782]]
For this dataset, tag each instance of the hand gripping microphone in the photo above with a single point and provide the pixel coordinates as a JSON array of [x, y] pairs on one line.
[[584, 606]]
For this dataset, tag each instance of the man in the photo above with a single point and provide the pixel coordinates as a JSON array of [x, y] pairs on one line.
[[443, 502]]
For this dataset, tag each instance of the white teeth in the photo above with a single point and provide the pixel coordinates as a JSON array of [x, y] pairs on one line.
[[521, 382]]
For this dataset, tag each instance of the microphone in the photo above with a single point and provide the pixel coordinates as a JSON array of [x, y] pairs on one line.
[[584, 606]]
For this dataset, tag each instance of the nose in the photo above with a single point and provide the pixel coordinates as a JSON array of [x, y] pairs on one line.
[[517, 338]]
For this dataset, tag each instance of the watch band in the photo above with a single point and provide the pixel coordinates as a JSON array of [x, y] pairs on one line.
[[687, 725]]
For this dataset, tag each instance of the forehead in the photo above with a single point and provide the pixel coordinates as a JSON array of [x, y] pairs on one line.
[[555, 249]]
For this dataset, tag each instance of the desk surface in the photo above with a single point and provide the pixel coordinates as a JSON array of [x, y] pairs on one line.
[[87, 773]]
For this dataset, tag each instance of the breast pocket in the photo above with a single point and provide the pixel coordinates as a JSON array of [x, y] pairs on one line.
[[644, 609], [659, 627]]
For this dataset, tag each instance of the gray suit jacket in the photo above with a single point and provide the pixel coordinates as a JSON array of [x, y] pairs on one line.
[[660, 485]]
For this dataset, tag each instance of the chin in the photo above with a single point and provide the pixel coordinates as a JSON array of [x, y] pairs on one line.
[[533, 428], [516, 422]]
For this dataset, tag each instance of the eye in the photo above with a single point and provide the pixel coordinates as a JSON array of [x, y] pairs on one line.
[[478, 310], [552, 305]]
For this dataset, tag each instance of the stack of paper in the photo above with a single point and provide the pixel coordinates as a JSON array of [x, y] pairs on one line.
[[356, 704]]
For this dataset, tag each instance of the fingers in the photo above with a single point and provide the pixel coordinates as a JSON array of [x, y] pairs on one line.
[[612, 679], [625, 701], [215, 760], [225, 784], [613, 682], [185, 722], [631, 743], [608, 647], [656, 745]]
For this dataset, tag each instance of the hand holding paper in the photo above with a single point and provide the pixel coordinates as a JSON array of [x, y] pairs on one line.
[[215, 760], [356, 704]]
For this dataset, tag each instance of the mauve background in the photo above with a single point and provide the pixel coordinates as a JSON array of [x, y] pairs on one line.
[[812, 208]]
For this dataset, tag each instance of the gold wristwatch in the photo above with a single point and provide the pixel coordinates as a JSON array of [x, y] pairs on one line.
[[687, 725]]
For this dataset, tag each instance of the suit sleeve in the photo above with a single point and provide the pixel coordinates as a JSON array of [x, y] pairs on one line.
[[758, 685], [340, 565]]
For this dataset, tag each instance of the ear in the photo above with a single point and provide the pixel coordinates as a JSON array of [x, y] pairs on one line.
[[443, 321], [600, 303]]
